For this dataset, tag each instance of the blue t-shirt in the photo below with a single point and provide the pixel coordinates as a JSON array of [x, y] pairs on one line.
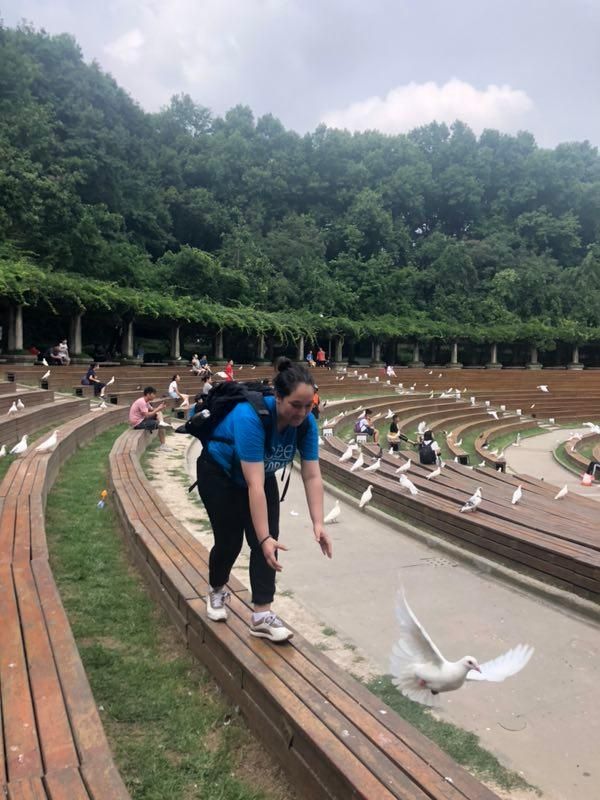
[[248, 433]]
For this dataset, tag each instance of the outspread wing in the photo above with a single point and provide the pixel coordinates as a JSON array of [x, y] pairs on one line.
[[503, 666]]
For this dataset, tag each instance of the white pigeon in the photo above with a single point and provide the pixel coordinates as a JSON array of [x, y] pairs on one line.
[[517, 442], [421, 672], [473, 502], [358, 463], [13, 409], [44, 362], [221, 374], [46, 375], [472, 401], [493, 452], [518, 412], [551, 420], [564, 491], [110, 382], [20, 447], [437, 471], [2, 451], [543, 387], [487, 403], [459, 443], [405, 467], [421, 428], [49, 444], [102, 406], [373, 467], [333, 514], [502, 408], [366, 496], [481, 464], [406, 483], [389, 414], [493, 414], [517, 495], [20, 404]]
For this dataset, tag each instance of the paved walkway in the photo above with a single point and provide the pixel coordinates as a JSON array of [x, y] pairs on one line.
[[544, 722]]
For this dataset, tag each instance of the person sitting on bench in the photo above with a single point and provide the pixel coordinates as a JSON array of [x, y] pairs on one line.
[[144, 416]]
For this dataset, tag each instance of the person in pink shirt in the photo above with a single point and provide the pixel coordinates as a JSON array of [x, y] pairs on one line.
[[143, 416]]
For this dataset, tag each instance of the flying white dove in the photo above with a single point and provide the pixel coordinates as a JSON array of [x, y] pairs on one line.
[[20, 447], [366, 496], [564, 491], [493, 414], [13, 409], [473, 501], [46, 375], [421, 672], [49, 444], [221, 374], [437, 471], [517, 495], [389, 414], [334, 514], [405, 467], [358, 463], [347, 454], [406, 483], [110, 382], [20, 404], [543, 387], [2, 451], [373, 467]]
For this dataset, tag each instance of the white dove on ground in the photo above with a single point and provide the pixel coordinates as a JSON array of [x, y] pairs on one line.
[[49, 444], [347, 454], [481, 464], [20, 447], [493, 414], [487, 403], [472, 401], [459, 443], [334, 514], [373, 467], [389, 414], [110, 382], [44, 362], [421, 672], [518, 412], [517, 441], [20, 404], [358, 463], [551, 420], [406, 483], [473, 501], [502, 408], [405, 467], [13, 409], [564, 491], [366, 496], [421, 428], [434, 474], [46, 375], [517, 495], [2, 451], [543, 387]]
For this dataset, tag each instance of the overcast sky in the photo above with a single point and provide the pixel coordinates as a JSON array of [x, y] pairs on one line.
[[386, 64]]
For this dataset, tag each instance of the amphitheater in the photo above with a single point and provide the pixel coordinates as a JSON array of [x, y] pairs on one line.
[[333, 737]]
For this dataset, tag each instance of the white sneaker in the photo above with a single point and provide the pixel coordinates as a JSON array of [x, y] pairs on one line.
[[270, 627], [164, 425], [215, 604]]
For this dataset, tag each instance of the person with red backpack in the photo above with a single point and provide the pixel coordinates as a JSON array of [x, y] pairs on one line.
[[237, 484]]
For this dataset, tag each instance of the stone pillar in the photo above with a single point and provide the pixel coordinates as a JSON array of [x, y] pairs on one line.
[[454, 362], [75, 345], [533, 359], [260, 346], [219, 346], [339, 345], [575, 363], [300, 351], [127, 339], [375, 353], [493, 363], [416, 362], [15, 328], [175, 352]]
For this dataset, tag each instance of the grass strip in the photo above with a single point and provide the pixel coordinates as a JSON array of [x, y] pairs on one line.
[[172, 733], [462, 746]]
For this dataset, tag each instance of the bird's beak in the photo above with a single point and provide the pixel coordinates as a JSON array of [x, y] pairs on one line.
[[478, 669]]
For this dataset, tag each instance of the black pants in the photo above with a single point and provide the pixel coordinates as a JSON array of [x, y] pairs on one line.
[[228, 509]]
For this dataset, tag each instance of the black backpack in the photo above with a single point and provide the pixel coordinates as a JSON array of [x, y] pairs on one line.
[[427, 453], [220, 401]]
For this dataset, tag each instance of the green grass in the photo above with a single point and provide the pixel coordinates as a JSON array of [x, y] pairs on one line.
[[560, 454], [173, 734], [327, 631], [462, 746]]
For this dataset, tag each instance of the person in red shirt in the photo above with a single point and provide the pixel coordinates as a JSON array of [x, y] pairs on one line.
[[321, 357], [143, 416], [229, 370]]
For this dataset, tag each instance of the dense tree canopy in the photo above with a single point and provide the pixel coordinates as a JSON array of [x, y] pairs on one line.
[[436, 233]]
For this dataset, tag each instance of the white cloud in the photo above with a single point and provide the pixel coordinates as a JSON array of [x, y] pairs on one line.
[[127, 48], [407, 107]]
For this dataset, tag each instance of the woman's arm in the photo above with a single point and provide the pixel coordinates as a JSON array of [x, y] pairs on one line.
[[313, 487]]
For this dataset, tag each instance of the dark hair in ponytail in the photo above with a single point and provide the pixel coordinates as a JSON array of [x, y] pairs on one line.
[[289, 375]]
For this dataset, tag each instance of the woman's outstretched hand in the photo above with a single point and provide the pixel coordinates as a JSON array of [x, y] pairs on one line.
[[270, 547], [322, 537]]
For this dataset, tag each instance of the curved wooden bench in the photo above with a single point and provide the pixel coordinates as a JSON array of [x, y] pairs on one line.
[[52, 743], [556, 541], [326, 729]]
